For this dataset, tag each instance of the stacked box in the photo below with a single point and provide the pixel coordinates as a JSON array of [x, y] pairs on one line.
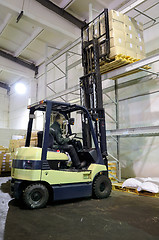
[[14, 144], [126, 36], [5, 162], [3, 149], [34, 139]]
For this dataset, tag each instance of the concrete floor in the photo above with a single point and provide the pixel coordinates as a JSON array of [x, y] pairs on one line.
[[122, 216]]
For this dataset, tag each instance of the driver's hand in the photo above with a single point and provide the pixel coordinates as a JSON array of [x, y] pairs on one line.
[[72, 136]]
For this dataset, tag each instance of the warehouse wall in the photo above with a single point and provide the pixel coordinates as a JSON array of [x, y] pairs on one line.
[[138, 155], [18, 112], [7, 134], [4, 108]]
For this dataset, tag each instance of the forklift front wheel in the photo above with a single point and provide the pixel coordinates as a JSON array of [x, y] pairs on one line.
[[35, 196], [102, 187]]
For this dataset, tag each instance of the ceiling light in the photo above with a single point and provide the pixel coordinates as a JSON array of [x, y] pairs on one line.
[[20, 88]]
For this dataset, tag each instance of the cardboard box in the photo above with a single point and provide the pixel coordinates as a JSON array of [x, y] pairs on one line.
[[131, 21], [130, 37], [114, 24], [140, 57], [129, 29], [3, 149], [131, 54], [116, 33], [102, 24], [141, 50], [138, 25], [116, 16], [33, 143], [34, 134], [117, 41], [130, 46], [5, 162], [139, 34], [140, 41], [116, 51], [127, 20]]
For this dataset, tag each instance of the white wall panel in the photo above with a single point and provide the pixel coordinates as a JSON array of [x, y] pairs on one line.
[[4, 108], [6, 134]]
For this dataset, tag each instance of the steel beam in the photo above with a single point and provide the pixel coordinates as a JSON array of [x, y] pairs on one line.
[[78, 62], [65, 92], [53, 7], [135, 132], [66, 49], [127, 83], [130, 6], [66, 3], [28, 40], [5, 22], [19, 61], [5, 86]]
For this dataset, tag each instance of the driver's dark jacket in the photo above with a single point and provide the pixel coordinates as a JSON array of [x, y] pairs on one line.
[[56, 131]]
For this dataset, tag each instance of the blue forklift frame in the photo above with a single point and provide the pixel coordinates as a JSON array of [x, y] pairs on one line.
[[63, 108]]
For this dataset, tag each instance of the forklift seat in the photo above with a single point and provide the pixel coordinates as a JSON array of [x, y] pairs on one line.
[[40, 140]]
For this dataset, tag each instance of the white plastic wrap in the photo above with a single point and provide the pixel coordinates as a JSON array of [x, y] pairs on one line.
[[147, 184]]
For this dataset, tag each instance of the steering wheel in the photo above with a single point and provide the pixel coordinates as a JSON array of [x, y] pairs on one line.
[[75, 136], [69, 135]]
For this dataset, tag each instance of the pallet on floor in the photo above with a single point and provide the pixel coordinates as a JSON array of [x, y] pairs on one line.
[[118, 187]]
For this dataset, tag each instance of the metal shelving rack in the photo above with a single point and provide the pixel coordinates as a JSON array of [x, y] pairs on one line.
[[129, 132]]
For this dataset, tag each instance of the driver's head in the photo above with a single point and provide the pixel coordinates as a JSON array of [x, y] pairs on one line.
[[59, 119]]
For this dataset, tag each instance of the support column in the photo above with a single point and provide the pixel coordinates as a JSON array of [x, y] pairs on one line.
[[117, 127]]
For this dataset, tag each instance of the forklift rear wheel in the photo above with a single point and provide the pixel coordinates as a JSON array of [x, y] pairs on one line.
[[102, 187], [35, 196]]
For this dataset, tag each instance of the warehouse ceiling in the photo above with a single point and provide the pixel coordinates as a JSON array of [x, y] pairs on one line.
[[26, 39]]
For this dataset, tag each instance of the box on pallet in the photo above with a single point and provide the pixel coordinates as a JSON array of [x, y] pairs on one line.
[[34, 135], [126, 36], [116, 16], [116, 25]]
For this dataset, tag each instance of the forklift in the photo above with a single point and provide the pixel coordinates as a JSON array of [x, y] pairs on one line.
[[41, 173]]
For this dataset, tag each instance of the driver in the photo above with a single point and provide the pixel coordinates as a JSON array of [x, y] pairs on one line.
[[62, 143]]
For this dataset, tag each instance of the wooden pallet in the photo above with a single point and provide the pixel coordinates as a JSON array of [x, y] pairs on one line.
[[118, 187], [112, 171], [120, 61]]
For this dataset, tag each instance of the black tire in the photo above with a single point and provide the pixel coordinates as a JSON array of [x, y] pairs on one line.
[[102, 187], [35, 196]]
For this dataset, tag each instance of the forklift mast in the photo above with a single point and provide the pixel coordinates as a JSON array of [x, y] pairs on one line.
[[95, 50]]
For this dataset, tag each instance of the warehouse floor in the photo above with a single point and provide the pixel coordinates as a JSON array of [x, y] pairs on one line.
[[121, 216]]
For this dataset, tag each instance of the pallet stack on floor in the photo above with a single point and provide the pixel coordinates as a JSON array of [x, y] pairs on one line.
[[5, 160], [17, 143], [118, 187], [7, 154]]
